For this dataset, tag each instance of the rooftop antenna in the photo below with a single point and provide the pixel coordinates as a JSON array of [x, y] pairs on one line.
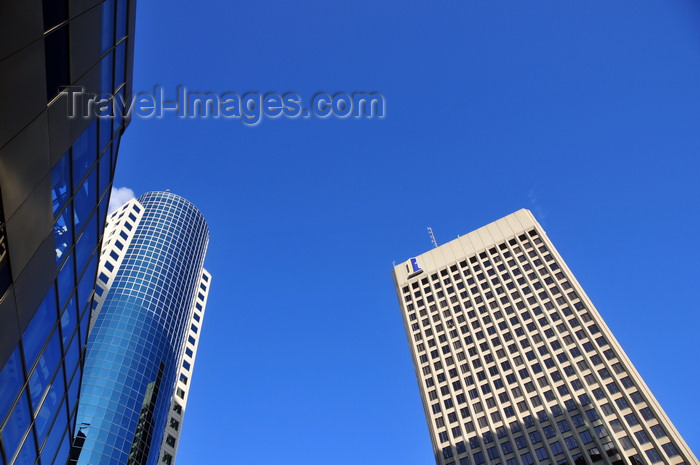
[[432, 236]]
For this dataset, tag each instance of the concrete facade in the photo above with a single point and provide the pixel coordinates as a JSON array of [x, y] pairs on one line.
[[514, 363]]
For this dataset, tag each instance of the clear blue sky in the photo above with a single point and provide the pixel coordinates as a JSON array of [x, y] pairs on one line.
[[587, 113]]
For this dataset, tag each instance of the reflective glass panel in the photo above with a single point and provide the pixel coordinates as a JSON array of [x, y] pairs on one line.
[[107, 73], [85, 200], [121, 18], [43, 373], [107, 25], [39, 328], [16, 425], [28, 452], [86, 245], [75, 382], [105, 132], [48, 408], [11, 380], [84, 153], [60, 183], [120, 64], [66, 281], [55, 435], [69, 321], [87, 284], [63, 451], [63, 232], [104, 177]]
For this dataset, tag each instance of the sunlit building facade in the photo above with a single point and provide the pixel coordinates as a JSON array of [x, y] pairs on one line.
[[515, 365], [148, 311], [55, 177]]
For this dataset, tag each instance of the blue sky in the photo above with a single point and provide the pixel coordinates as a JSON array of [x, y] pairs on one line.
[[587, 113]]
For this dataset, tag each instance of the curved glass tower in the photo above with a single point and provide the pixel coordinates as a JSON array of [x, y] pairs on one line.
[[148, 303]]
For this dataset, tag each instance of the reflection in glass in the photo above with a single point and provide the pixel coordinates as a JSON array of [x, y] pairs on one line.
[[84, 153], [63, 232], [11, 379], [40, 380], [39, 328], [17, 424], [60, 184]]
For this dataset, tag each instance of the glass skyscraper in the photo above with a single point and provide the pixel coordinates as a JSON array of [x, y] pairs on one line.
[[55, 178], [148, 309], [514, 363]]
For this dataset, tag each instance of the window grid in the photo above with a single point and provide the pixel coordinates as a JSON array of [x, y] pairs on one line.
[[511, 320], [141, 329]]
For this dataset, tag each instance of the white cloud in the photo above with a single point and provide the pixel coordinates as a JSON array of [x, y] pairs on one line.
[[119, 197]]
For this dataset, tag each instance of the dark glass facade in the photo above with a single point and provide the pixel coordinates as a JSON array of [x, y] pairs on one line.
[[136, 344], [55, 179]]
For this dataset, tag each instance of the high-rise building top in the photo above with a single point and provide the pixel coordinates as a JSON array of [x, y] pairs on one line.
[[515, 365], [55, 177], [148, 311]]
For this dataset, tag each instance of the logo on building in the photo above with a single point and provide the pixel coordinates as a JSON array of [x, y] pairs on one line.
[[413, 267]]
